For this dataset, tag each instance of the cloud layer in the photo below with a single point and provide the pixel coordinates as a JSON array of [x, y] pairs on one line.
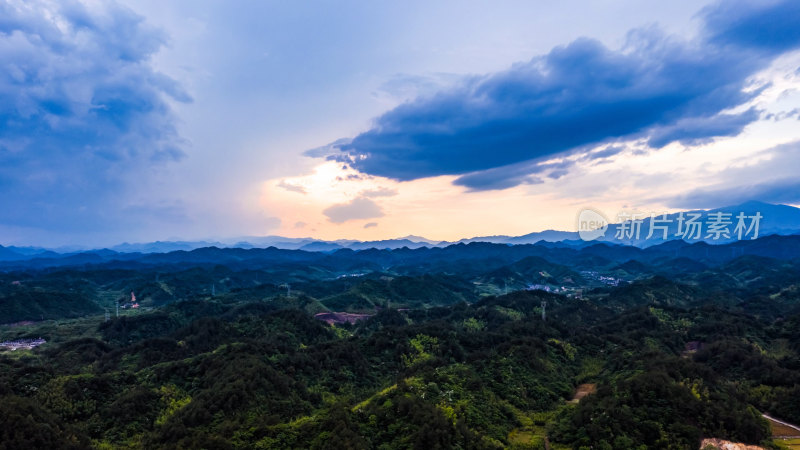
[[83, 115], [358, 209], [494, 130], [745, 181]]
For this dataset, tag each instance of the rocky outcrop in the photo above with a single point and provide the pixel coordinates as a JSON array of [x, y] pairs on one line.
[[720, 444]]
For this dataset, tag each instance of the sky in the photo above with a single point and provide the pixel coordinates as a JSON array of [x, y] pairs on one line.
[[146, 120]]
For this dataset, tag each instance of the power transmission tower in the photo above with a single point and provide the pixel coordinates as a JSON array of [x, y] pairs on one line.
[[544, 306]]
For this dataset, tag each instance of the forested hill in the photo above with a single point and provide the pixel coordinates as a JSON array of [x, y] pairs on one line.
[[491, 374], [466, 347]]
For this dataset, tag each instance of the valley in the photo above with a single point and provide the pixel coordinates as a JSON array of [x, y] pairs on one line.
[[424, 348]]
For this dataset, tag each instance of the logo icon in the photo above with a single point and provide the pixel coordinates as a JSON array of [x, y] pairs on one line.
[[592, 224]]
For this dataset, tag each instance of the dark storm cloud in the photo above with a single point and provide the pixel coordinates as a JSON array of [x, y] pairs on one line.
[[657, 88], [763, 25], [83, 115]]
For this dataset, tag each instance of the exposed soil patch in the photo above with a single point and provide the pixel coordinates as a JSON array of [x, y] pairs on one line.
[[584, 390], [340, 317], [721, 444]]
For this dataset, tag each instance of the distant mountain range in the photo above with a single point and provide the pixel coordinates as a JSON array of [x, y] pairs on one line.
[[475, 257], [775, 219]]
